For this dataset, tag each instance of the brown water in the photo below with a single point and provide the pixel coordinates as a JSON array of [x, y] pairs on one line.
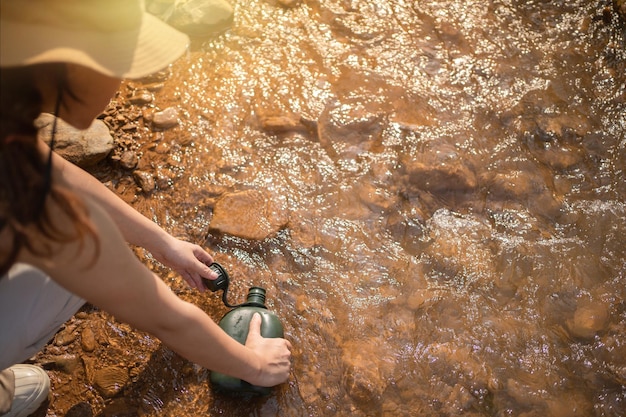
[[453, 178]]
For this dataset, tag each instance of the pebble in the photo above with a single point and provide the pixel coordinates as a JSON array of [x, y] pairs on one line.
[[144, 180], [129, 160], [165, 119], [141, 97], [65, 336], [88, 340]]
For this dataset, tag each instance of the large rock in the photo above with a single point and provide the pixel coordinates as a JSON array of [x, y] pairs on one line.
[[81, 147], [194, 17], [249, 214]]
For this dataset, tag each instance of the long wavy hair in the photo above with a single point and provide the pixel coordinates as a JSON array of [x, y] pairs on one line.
[[26, 185]]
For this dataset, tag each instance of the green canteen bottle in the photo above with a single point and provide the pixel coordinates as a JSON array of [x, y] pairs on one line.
[[237, 323]]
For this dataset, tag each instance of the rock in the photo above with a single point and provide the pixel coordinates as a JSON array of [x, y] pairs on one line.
[[144, 180], [281, 123], [65, 336], [165, 119], [589, 320], [350, 128], [141, 97], [525, 185], [88, 340], [556, 141], [163, 179], [82, 409], [129, 160], [64, 363], [84, 148], [363, 381], [439, 168], [194, 17], [249, 214], [110, 380], [377, 199]]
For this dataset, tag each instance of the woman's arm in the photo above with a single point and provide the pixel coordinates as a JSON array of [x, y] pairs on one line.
[[113, 279], [189, 260]]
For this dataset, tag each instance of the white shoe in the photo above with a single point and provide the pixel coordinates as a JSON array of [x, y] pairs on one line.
[[32, 386]]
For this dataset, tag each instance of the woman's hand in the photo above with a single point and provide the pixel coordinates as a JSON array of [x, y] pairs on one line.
[[274, 354], [191, 261]]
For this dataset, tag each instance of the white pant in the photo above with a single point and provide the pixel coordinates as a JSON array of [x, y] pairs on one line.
[[32, 309]]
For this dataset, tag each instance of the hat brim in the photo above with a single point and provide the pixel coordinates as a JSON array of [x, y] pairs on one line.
[[130, 54]]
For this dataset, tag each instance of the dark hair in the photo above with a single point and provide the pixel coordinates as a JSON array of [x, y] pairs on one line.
[[25, 183]]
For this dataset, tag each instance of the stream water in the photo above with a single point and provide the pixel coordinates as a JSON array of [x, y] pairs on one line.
[[448, 179]]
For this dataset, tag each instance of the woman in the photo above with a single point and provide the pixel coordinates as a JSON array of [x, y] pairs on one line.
[[63, 235]]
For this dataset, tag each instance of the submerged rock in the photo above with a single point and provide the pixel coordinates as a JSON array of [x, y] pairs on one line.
[[249, 214], [350, 128], [362, 376], [589, 320]]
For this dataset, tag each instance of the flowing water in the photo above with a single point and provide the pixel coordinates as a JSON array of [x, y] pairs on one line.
[[445, 197]]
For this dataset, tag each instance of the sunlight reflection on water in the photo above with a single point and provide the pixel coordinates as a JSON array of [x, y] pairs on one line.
[[454, 180]]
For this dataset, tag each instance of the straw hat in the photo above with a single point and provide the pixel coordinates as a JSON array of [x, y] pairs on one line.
[[113, 37]]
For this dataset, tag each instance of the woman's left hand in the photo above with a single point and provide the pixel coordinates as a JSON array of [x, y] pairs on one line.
[[191, 261]]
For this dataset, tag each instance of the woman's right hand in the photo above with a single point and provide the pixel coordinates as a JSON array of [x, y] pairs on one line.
[[274, 354]]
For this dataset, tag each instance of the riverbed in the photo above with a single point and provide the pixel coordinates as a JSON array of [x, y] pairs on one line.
[[439, 216]]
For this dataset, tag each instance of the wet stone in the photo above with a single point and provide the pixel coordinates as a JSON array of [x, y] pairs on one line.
[[364, 384], [128, 160], [165, 119], [527, 188], [440, 169], [281, 123], [154, 87], [589, 320], [129, 127], [65, 336], [64, 363], [249, 214], [88, 339], [348, 129], [144, 180], [141, 97], [110, 380]]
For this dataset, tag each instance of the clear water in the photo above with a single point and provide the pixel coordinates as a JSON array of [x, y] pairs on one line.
[[453, 177]]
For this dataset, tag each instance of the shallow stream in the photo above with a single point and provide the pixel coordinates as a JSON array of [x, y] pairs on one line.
[[442, 225]]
